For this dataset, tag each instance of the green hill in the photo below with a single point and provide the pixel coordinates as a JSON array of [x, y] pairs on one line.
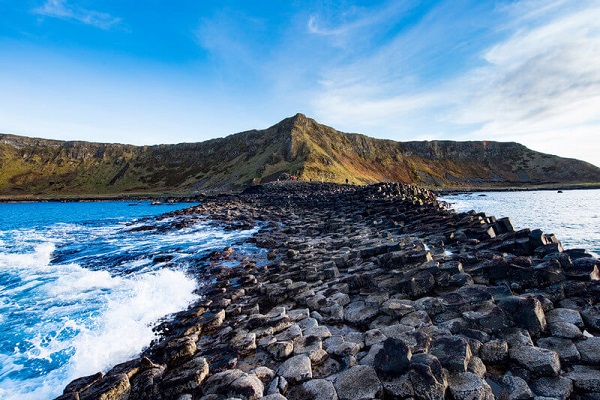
[[297, 145]]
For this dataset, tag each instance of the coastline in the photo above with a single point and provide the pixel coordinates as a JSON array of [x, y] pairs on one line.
[[376, 290]]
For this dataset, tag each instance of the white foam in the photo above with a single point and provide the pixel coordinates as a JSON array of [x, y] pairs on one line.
[[124, 311]]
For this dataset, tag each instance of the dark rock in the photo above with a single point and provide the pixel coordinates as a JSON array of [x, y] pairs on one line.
[[358, 313], [589, 350], [234, 383], [494, 352], [468, 386], [564, 315], [566, 350], [393, 358], [453, 352], [186, 377], [556, 387], [584, 269], [427, 377], [591, 318], [525, 312], [585, 378], [514, 388], [536, 360]]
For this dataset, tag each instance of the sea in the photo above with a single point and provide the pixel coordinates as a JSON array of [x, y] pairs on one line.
[[572, 215], [81, 288]]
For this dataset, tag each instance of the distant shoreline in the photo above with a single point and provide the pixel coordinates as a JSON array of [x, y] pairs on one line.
[[191, 198]]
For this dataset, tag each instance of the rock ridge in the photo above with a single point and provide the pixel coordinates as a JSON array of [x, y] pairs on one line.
[[373, 292]]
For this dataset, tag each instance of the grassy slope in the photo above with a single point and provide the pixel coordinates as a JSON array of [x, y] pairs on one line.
[[296, 145]]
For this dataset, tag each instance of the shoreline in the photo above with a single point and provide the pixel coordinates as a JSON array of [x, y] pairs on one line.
[[378, 291]]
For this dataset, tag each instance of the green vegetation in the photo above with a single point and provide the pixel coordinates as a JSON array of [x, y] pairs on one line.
[[296, 146]]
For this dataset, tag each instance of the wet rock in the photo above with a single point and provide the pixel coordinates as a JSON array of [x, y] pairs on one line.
[[186, 377], [468, 386], [453, 352], [111, 387], [296, 369], [556, 387], [393, 358], [82, 383], [180, 349], [145, 385], [358, 382], [537, 360], [235, 383]]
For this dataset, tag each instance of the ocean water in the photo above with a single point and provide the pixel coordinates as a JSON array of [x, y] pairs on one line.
[[80, 292], [573, 216]]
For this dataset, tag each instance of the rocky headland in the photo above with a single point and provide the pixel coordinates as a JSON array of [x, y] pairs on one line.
[[372, 292]]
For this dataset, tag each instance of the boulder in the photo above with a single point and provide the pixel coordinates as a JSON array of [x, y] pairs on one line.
[[536, 360], [453, 352], [589, 350], [514, 388], [566, 350], [564, 315], [468, 386], [393, 358], [111, 387], [557, 387], [399, 387], [359, 313], [585, 378], [494, 351], [317, 389], [186, 377], [358, 382], [234, 383], [427, 377], [525, 312], [296, 369]]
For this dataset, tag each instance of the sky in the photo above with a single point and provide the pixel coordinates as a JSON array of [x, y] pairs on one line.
[[186, 71]]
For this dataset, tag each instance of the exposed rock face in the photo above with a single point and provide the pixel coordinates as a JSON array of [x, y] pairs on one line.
[[373, 292], [295, 146]]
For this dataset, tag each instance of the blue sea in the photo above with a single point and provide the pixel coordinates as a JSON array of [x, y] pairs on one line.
[[573, 215], [80, 290]]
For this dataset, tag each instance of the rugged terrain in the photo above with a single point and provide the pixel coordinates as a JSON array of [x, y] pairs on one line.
[[295, 146], [372, 292]]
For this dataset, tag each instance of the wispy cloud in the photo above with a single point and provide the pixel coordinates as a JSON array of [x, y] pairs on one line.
[[536, 78], [62, 10]]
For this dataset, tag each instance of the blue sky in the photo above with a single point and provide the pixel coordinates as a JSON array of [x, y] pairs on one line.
[[168, 72]]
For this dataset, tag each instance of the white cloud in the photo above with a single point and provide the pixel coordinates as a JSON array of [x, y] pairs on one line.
[[60, 9], [537, 83]]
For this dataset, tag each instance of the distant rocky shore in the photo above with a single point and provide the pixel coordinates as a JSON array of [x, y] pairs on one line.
[[373, 292]]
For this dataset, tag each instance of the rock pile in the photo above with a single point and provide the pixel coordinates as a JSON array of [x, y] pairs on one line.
[[375, 292]]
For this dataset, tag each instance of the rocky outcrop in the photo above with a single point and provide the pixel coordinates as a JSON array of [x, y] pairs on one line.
[[373, 292], [297, 146]]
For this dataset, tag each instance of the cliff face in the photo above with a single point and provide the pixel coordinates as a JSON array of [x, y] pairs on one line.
[[297, 145]]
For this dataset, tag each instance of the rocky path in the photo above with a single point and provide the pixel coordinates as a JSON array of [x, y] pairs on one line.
[[374, 292]]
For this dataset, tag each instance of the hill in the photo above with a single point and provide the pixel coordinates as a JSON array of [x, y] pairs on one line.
[[296, 145]]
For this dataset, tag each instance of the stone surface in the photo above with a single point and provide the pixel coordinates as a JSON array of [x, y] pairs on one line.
[[555, 387], [468, 386], [589, 350], [536, 360], [514, 388], [234, 383], [296, 369], [358, 382], [453, 352], [393, 358]]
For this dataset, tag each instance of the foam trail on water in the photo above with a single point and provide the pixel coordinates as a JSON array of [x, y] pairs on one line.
[[88, 320]]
